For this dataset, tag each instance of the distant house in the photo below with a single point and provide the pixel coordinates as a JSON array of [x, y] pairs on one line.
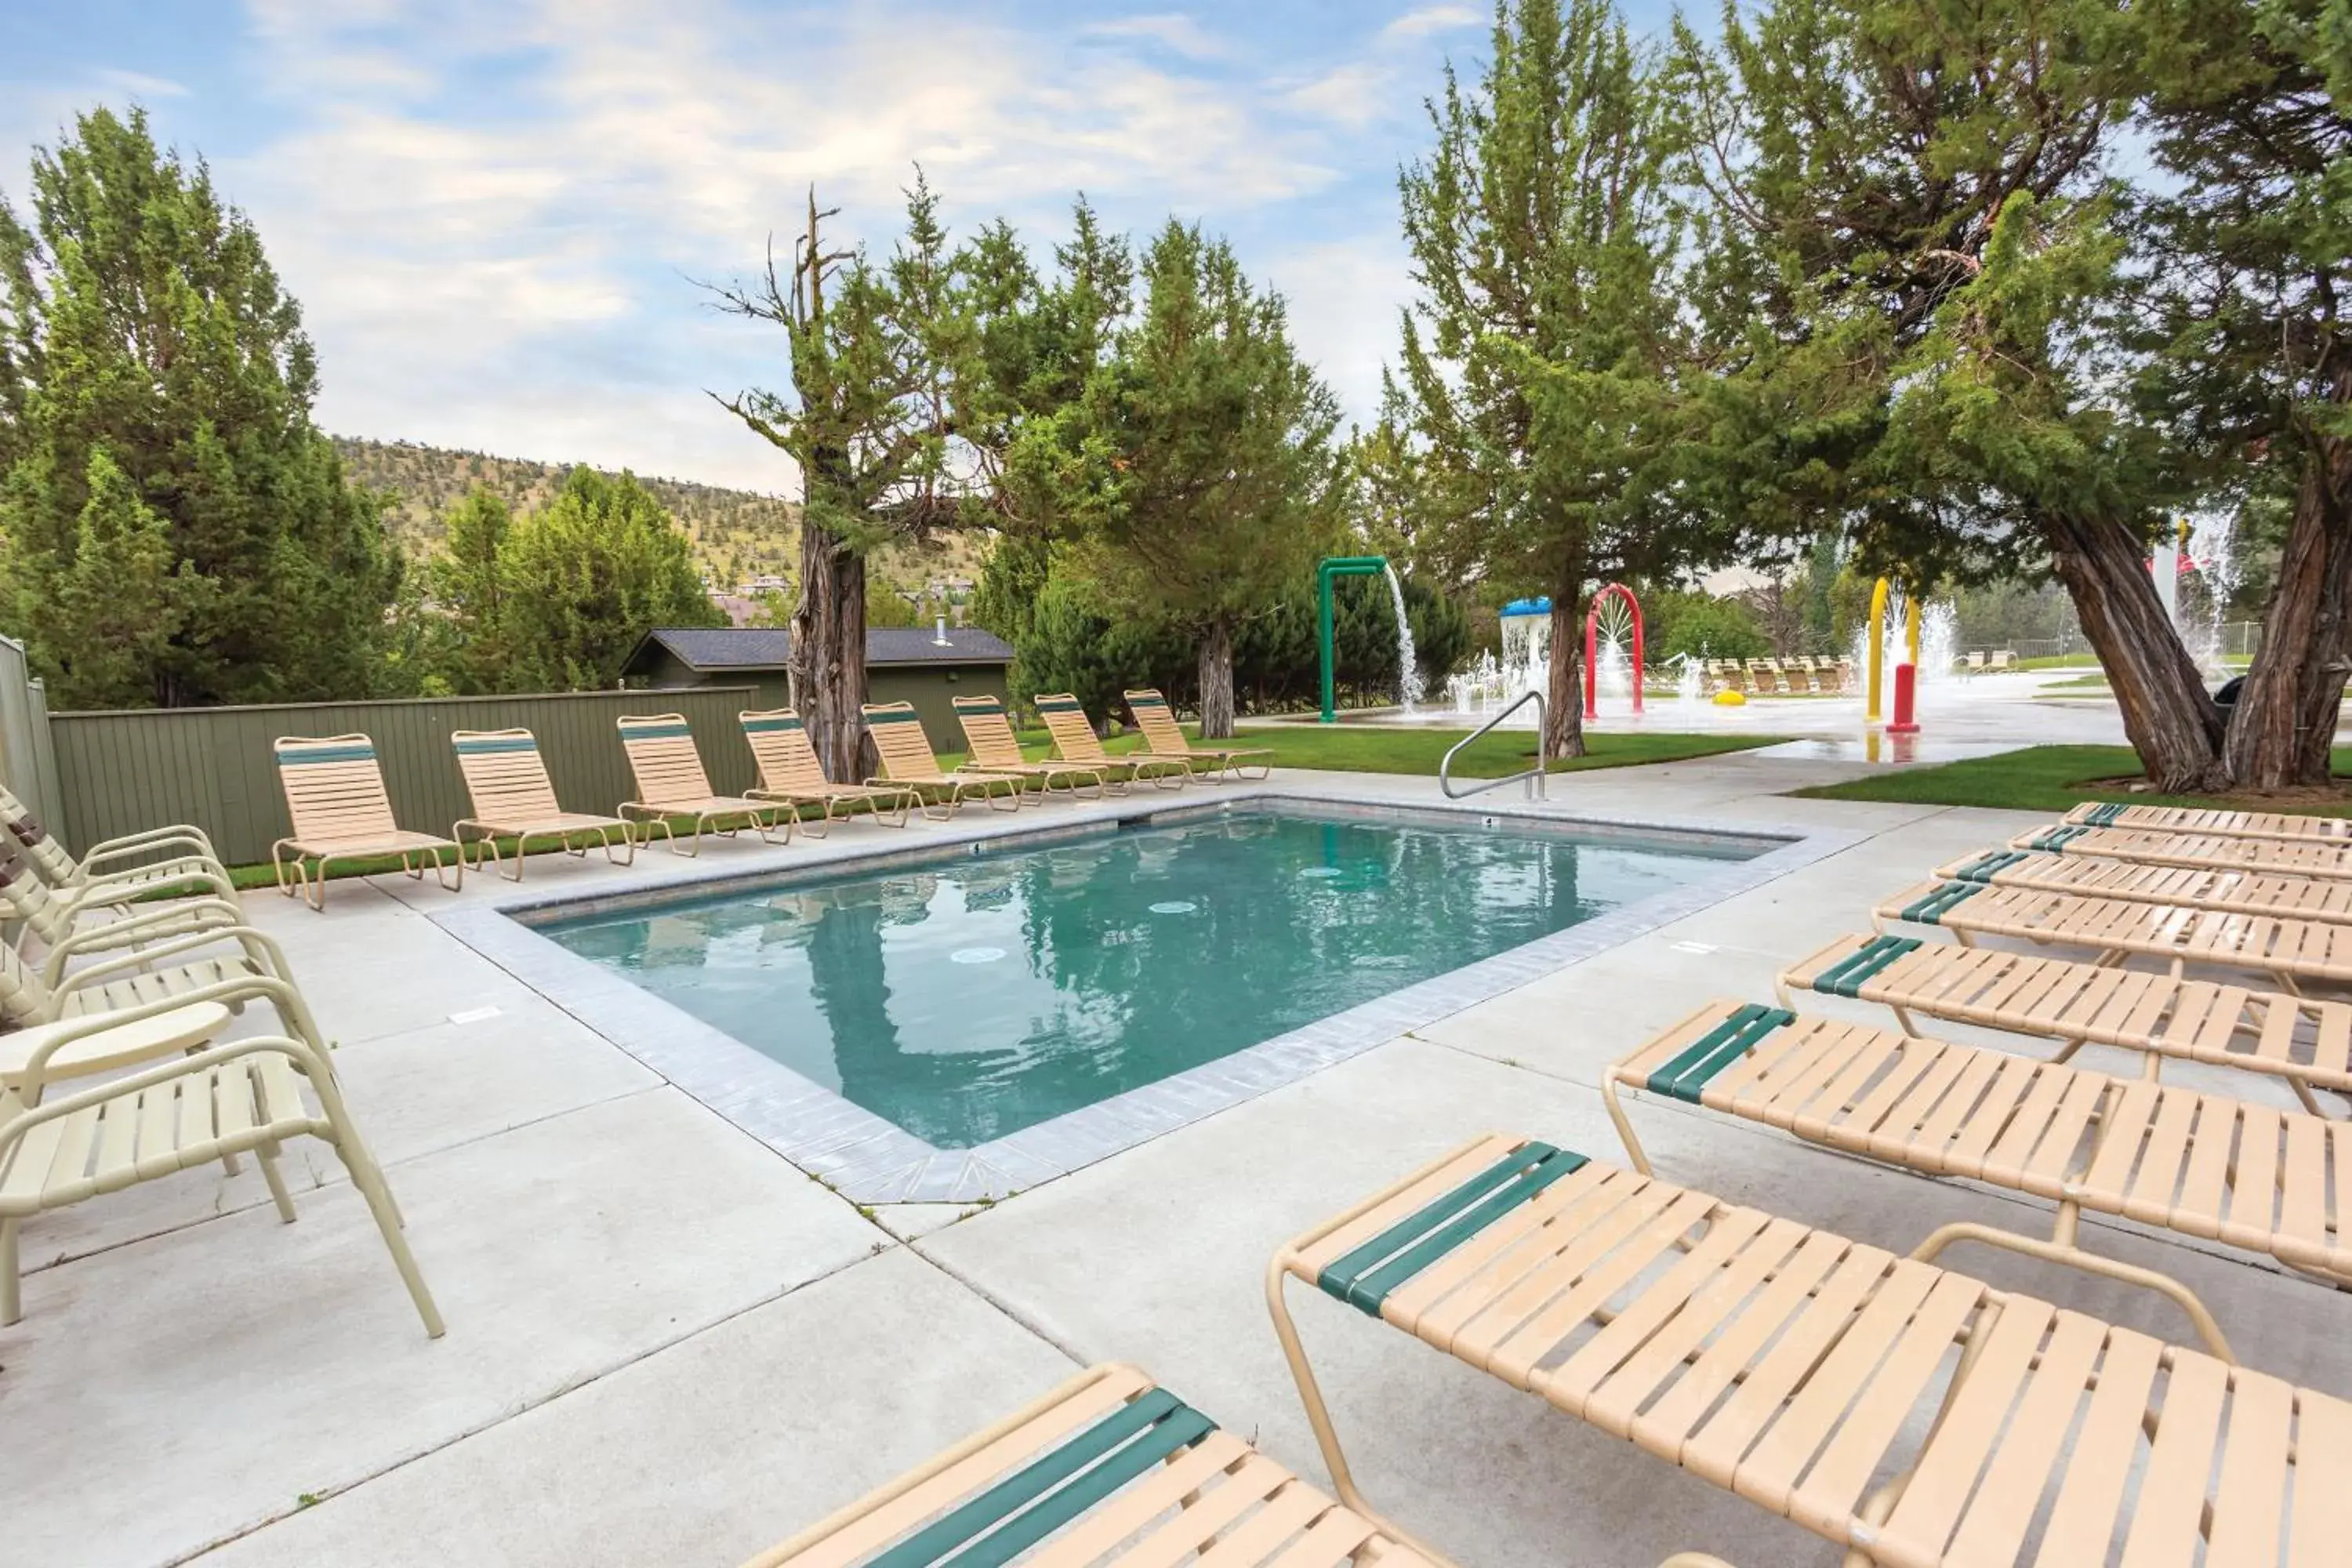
[[923, 665]]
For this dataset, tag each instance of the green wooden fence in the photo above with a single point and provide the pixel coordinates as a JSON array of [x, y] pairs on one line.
[[117, 773]]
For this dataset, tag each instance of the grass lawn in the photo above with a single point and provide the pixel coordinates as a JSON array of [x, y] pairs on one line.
[[1356, 748], [2051, 778]]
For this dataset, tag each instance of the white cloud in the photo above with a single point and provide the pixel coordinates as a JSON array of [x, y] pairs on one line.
[[139, 85], [1433, 19], [1172, 30], [1343, 295], [1353, 95]]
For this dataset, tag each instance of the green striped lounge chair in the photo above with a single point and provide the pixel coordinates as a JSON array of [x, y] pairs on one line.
[[1162, 737], [2190, 886], [2327, 860], [672, 785], [507, 780], [2197, 819], [789, 773], [909, 763], [1814, 1375], [1106, 1469], [1075, 742], [996, 749], [335, 797]]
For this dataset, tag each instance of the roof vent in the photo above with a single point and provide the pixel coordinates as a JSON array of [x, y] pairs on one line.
[[939, 633]]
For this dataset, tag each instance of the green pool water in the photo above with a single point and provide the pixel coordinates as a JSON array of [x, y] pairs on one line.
[[967, 999]]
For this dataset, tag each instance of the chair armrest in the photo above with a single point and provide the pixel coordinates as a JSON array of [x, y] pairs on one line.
[[313, 1066], [200, 916], [151, 839], [257, 945]]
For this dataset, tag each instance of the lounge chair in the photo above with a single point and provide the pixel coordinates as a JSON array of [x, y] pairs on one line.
[[506, 781], [1974, 664], [1163, 738], [789, 773], [2306, 1042], [121, 870], [224, 1100], [2193, 819], [2293, 858], [1762, 679], [2204, 1165], [996, 750], [2003, 659], [2292, 952], [671, 783], [2190, 886], [909, 763], [1113, 1470], [45, 919], [1074, 738], [335, 793], [202, 965], [1802, 1371]]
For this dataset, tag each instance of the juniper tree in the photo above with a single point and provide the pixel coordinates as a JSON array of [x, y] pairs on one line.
[[156, 393]]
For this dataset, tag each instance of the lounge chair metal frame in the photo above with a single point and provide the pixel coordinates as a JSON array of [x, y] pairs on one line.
[[2291, 951], [1074, 738], [1106, 1469], [789, 773], [1787, 1364], [909, 763], [1163, 737], [506, 779], [671, 783], [2304, 1041], [335, 796], [186, 857], [213, 1104], [2316, 858], [996, 749]]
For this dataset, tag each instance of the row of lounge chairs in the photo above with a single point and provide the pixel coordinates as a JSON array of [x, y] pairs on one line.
[[132, 960], [341, 811], [1761, 677], [1792, 1366]]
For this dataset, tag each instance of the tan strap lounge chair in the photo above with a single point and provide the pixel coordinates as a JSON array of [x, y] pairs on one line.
[[908, 762], [119, 870], [2190, 819], [996, 749], [671, 783], [2190, 886], [1162, 737], [229, 963], [2203, 1165], [2314, 858], [789, 772], [507, 779], [335, 793], [1806, 1372], [1074, 738], [1107, 1468], [227, 1100], [2293, 951], [45, 921], [2306, 1042]]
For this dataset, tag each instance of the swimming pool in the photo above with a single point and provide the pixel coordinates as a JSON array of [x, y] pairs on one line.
[[992, 987]]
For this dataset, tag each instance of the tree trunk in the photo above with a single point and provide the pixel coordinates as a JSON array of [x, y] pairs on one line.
[[2283, 727], [1564, 705], [828, 653], [2169, 718], [1217, 681]]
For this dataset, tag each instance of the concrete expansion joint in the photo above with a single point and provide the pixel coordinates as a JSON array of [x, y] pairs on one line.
[[1012, 1314]]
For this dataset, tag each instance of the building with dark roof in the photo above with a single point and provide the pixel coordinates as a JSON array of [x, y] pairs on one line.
[[927, 666]]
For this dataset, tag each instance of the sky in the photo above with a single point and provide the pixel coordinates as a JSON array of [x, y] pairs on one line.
[[495, 215]]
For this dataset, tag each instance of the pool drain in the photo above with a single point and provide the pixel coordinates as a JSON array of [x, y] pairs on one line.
[[976, 955], [1175, 907]]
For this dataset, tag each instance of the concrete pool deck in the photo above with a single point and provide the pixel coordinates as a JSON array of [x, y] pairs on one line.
[[667, 1344]]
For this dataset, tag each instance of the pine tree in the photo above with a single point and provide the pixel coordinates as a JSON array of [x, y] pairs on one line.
[[141, 320], [581, 580], [466, 580]]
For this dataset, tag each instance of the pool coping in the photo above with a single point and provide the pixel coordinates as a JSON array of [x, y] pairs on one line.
[[870, 1161]]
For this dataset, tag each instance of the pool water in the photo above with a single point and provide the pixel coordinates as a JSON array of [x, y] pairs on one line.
[[967, 999]]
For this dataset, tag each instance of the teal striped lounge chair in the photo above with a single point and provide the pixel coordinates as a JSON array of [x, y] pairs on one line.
[[507, 779], [1806, 1372], [671, 783], [1106, 1469], [789, 773], [335, 796]]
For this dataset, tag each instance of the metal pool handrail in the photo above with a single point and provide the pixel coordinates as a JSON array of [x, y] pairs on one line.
[[1534, 776]]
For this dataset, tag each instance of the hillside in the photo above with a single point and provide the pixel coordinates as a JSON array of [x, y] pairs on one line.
[[737, 534]]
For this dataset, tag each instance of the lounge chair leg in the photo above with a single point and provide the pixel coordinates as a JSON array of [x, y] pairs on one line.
[[277, 1192], [369, 1178], [2061, 1248], [11, 1302], [1318, 1415], [1633, 1149]]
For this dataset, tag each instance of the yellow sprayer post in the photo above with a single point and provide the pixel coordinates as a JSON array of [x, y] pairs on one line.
[[1877, 651], [1911, 627]]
